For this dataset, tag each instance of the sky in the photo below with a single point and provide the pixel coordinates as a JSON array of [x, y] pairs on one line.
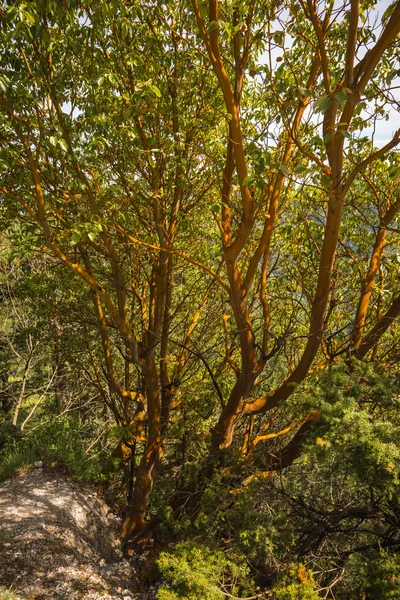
[[382, 131], [385, 130]]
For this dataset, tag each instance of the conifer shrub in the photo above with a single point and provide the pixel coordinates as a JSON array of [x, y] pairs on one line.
[[194, 571], [297, 584]]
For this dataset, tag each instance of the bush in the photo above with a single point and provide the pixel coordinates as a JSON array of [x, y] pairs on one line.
[[384, 577], [17, 457], [195, 572], [63, 443], [375, 576], [8, 434], [298, 584]]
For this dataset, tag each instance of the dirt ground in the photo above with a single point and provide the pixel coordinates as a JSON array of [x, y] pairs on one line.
[[59, 540]]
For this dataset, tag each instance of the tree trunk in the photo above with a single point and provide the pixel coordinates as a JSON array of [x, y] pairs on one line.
[[22, 390], [147, 470], [223, 431]]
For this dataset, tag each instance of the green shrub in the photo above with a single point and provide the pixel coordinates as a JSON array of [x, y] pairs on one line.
[[383, 577], [8, 434], [195, 572], [64, 443], [373, 576], [17, 457], [298, 584]]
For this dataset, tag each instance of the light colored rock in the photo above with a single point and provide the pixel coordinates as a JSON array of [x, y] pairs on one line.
[[61, 544]]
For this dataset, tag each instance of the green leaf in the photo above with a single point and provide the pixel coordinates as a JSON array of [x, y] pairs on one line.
[[229, 29], [284, 169], [305, 92], [323, 103], [125, 28], [36, 31], [249, 181], [112, 78], [278, 37], [391, 76], [46, 38], [29, 17], [4, 83], [156, 90], [268, 158], [341, 96], [63, 144], [394, 173], [326, 180], [212, 26], [300, 169]]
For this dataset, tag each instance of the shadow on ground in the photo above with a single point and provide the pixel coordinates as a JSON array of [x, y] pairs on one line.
[[58, 540]]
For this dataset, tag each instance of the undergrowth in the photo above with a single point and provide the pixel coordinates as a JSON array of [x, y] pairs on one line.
[[62, 444]]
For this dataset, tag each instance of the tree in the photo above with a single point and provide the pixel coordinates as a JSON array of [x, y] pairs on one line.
[[127, 127], [23, 357]]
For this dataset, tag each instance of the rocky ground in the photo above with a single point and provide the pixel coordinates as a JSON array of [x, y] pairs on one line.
[[59, 540]]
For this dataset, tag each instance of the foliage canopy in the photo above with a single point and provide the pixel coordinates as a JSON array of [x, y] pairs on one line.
[[201, 218]]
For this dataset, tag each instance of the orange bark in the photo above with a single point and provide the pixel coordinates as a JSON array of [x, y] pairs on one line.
[[369, 282]]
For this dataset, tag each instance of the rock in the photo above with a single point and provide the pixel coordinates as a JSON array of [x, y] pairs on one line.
[[38, 464], [63, 545]]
